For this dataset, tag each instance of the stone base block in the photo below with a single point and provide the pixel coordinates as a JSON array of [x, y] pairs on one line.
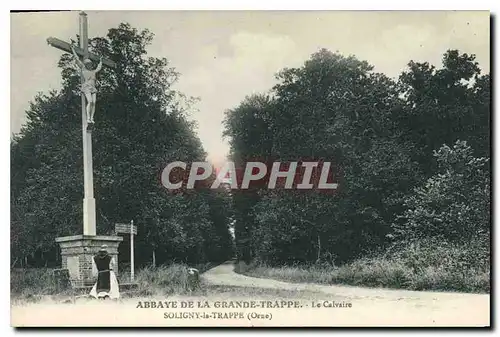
[[77, 252]]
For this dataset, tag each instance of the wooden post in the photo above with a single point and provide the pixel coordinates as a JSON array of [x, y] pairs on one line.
[[132, 250]]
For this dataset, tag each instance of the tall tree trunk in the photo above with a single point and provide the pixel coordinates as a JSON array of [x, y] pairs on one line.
[[154, 259]]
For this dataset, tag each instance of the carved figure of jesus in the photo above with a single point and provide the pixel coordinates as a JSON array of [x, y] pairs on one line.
[[89, 83]]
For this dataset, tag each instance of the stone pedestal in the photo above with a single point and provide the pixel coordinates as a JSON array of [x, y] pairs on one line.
[[77, 252]]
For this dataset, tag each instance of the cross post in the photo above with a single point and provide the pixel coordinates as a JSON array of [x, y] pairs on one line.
[[89, 213]]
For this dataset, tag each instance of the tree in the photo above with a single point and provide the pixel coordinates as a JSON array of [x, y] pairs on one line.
[[335, 109], [445, 105], [250, 131], [378, 132]]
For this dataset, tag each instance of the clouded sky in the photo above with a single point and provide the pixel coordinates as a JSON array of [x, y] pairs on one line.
[[224, 56]]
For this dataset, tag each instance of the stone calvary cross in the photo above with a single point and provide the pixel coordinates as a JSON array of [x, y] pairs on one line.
[[78, 251], [89, 216]]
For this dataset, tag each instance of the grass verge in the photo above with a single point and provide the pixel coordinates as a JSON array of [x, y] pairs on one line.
[[35, 284]]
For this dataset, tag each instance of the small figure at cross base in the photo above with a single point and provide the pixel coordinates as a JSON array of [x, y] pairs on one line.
[[106, 285], [89, 84]]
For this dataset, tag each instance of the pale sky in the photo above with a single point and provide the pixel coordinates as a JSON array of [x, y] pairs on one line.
[[224, 56]]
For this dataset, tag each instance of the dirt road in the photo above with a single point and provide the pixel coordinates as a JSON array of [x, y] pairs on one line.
[[236, 300]]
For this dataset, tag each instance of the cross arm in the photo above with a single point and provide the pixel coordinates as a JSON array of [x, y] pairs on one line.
[[65, 46]]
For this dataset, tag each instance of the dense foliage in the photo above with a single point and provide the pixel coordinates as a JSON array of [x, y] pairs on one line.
[[381, 134]]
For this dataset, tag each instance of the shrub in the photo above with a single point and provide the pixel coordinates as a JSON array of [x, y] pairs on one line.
[[29, 282]]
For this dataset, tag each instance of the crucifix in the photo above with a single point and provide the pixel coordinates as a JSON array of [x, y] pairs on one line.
[[88, 94]]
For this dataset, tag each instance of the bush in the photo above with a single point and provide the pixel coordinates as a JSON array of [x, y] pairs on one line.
[[454, 204], [372, 273], [164, 280]]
